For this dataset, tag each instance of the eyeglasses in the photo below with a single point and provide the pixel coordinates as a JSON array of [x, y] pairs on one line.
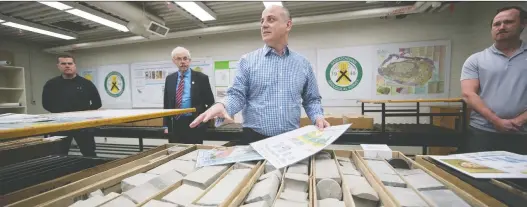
[[70, 63], [180, 59]]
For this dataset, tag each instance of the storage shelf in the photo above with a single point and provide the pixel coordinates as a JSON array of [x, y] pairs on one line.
[[12, 89], [3, 67], [12, 107]]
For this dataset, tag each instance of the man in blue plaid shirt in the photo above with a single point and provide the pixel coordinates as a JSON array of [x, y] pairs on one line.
[[272, 85]]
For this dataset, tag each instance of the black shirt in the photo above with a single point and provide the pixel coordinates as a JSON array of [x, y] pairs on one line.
[[65, 95]]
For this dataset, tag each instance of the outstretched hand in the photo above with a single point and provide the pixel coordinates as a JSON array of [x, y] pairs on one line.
[[321, 123], [216, 110]]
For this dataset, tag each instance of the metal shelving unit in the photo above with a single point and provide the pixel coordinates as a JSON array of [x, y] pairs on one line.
[[12, 90]]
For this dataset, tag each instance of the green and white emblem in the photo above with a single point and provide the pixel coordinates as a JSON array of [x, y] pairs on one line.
[[343, 73], [114, 84]]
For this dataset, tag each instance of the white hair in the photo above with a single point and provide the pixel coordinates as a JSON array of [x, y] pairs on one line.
[[180, 50]]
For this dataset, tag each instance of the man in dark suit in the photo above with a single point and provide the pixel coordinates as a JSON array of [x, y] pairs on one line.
[[186, 88]]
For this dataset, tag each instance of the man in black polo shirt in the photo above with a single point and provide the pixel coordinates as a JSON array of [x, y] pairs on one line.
[[71, 92]]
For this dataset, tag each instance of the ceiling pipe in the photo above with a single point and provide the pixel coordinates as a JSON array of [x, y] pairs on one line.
[[138, 19], [370, 13], [126, 10]]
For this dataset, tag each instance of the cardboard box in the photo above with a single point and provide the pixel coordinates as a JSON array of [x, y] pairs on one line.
[[7, 56], [358, 121], [305, 121], [334, 120], [155, 122]]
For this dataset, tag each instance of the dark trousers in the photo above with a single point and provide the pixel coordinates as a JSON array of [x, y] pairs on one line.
[[479, 140], [250, 136], [85, 140], [182, 133]]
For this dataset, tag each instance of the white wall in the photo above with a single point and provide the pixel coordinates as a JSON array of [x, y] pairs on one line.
[[39, 67], [467, 28]]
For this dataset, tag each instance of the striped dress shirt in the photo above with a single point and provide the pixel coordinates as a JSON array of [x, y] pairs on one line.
[[271, 90]]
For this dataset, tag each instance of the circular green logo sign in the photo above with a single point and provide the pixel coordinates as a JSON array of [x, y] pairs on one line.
[[343, 73], [114, 84]]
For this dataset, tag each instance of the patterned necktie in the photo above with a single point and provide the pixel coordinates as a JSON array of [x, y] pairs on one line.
[[179, 93]]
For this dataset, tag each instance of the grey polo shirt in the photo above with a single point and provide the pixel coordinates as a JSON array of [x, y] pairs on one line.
[[503, 83]]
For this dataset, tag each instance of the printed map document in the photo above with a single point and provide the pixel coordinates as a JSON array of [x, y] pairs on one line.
[[492, 164], [11, 118], [226, 155], [291, 147]]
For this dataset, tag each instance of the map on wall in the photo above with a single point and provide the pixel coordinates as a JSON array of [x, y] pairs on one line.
[[89, 74], [412, 70], [148, 83]]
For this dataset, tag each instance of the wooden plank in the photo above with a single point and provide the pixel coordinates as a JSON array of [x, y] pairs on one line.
[[240, 198], [470, 199], [446, 122], [45, 128], [65, 180], [384, 196], [473, 201], [28, 151], [62, 191], [346, 194], [69, 196], [483, 197]]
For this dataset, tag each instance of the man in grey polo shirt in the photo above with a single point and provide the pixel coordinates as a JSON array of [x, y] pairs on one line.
[[494, 84]]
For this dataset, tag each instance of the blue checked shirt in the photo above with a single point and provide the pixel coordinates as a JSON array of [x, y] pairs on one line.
[[271, 89]]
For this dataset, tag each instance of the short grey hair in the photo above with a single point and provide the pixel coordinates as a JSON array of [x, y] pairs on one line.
[[179, 50], [286, 15]]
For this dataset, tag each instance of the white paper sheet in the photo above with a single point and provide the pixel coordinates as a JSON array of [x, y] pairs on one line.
[[226, 155], [492, 164], [14, 121], [291, 147], [22, 118]]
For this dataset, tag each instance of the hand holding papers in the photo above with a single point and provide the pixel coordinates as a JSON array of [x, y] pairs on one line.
[[294, 146], [281, 150]]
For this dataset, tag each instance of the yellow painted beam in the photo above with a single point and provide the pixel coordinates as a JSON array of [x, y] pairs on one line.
[[45, 128]]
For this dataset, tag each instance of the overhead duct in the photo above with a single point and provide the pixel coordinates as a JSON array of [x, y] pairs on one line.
[[370, 13], [139, 20]]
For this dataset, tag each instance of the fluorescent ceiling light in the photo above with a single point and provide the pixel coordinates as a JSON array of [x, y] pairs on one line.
[[56, 5], [1, 21], [196, 10], [97, 19], [41, 31], [270, 3], [85, 15]]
